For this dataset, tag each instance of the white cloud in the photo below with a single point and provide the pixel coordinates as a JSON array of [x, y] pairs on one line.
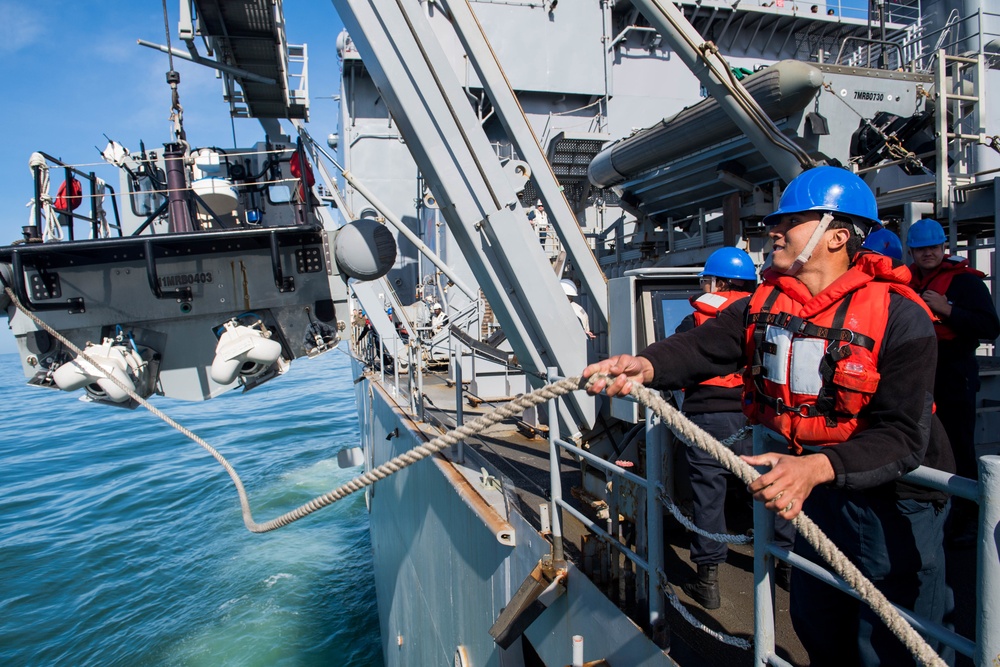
[[21, 27]]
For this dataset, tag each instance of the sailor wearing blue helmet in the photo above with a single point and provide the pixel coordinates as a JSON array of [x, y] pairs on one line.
[[839, 355], [958, 297], [715, 405], [884, 242]]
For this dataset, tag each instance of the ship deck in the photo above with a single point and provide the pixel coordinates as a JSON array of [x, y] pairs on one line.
[[510, 453], [518, 457]]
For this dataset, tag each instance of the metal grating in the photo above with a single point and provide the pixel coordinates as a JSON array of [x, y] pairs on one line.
[[249, 35]]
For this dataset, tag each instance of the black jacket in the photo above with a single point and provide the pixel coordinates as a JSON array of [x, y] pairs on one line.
[[703, 398], [902, 432]]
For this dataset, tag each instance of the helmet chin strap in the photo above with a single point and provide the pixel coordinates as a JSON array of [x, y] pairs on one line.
[[824, 224]]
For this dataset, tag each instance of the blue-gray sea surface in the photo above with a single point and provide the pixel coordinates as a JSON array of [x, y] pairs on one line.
[[122, 543]]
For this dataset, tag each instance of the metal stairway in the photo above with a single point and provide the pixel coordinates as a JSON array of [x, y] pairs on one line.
[[249, 36]]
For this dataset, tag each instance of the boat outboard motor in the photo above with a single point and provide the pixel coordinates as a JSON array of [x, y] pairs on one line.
[[113, 357], [243, 350]]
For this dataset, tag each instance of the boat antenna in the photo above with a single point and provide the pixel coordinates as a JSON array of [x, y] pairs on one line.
[[174, 78]]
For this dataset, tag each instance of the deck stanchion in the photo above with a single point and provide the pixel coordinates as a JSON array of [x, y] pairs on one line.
[[763, 570], [988, 565], [577, 650], [419, 354], [459, 408], [654, 516], [555, 480]]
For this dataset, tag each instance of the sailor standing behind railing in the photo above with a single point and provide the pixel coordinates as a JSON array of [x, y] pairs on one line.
[[839, 354], [715, 406], [957, 296]]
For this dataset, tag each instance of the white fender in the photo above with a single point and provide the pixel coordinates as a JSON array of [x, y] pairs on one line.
[[239, 344], [110, 359]]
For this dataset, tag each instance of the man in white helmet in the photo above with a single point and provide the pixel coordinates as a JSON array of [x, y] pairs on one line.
[[438, 317], [539, 222]]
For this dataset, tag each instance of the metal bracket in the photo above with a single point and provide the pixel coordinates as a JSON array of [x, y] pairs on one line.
[[528, 602], [489, 481], [284, 284], [45, 285], [327, 255], [182, 293], [73, 305], [308, 260]]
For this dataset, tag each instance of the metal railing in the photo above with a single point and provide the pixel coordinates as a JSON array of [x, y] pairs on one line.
[[653, 564], [68, 216], [983, 649]]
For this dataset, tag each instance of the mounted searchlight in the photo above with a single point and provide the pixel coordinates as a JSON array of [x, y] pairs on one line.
[[364, 249], [112, 357], [243, 350]]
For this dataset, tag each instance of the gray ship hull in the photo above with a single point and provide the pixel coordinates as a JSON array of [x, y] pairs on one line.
[[443, 575]]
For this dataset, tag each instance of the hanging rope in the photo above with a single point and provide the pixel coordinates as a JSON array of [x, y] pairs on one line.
[[680, 425], [676, 512], [173, 79], [103, 229], [51, 229], [668, 592]]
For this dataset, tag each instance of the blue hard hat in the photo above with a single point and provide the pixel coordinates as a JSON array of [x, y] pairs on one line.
[[829, 189], [925, 233], [884, 242], [731, 263]]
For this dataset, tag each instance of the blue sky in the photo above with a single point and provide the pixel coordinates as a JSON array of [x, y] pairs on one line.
[[72, 71]]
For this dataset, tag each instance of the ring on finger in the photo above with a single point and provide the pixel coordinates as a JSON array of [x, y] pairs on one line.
[[778, 497], [789, 506]]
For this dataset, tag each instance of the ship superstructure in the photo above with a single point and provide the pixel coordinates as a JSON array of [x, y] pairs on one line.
[[507, 150]]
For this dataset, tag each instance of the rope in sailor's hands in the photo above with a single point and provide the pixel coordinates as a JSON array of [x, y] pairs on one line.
[[679, 424], [848, 571]]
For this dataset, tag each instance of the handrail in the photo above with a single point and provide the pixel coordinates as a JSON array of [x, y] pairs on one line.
[[182, 293], [282, 282], [870, 40], [988, 572], [69, 214]]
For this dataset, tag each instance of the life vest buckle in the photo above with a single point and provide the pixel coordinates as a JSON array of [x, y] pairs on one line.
[[803, 410]]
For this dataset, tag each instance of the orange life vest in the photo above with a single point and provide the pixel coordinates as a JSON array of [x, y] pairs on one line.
[[814, 359], [939, 280], [708, 306]]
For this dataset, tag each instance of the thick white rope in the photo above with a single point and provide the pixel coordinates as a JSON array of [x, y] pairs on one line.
[[679, 424], [848, 571], [51, 229], [103, 228]]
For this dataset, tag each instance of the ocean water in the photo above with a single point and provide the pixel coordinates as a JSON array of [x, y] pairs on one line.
[[122, 543]]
